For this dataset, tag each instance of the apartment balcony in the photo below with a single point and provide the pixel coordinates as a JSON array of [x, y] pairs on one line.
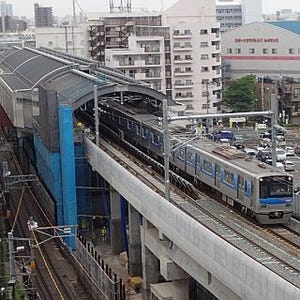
[[182, 48], [152, 50], [147, 76], [126, 63], [182, 36], [183, 61], [153, 76], [183, 73], [184, 97], [153, 63], [183, 85]]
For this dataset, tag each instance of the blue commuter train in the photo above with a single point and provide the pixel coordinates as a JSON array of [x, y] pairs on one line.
[[261, 190]]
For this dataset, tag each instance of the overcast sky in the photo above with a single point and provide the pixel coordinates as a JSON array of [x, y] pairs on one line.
[[64, 7]]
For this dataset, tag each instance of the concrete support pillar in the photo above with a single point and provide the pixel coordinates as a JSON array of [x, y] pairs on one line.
[[134, 242], [150, 266], [175, 290], [115, 222]]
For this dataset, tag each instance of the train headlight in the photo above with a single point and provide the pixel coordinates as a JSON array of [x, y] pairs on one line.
[[261, 179], [289, 178]]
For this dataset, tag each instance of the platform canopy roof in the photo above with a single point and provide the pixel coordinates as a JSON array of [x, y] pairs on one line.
[[24, 69]]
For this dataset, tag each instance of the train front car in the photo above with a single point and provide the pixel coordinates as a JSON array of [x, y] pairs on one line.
[[275, 203]]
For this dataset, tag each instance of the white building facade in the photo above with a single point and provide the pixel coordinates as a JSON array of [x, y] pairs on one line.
[[67, 39], [195, 53], [261, 49], [143, 60], [234, 13]]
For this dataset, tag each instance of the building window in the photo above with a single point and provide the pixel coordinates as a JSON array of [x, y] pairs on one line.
[[204, 69], [204, 44], [274, 51], [237, 50], [251, 50], [188, 57], [188, 69], [229, 51], [203, 31], [50, 44], [296, 92], [187, 32], [176, 32], [265, 51], [204, 57], [292, 51]]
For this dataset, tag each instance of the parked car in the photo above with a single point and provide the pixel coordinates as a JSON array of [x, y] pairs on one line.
[[280, 154], [290, 151], [289, 166], [297, 149], [263, 155]]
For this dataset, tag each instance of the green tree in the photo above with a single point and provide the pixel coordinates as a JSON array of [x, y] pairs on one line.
[[240, 96]]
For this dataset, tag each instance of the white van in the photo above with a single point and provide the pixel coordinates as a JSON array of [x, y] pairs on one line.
[[280, 154]]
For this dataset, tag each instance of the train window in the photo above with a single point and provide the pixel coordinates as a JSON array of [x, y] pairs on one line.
[[248, 188], [129, 124], [144, 132], [207, 166], [112, 115], [138, 129], [228, 177], [190, 157], [181, 153], [155, 138], [120, 120]]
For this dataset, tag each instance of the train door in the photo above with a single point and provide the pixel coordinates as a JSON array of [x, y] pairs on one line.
[[240, 189], [217, 176]]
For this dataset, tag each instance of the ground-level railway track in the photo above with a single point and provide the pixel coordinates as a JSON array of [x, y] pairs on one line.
[[247, 236], [52, 278]]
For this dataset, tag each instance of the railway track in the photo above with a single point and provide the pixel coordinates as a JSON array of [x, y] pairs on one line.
[[263, 246], [52, 277]]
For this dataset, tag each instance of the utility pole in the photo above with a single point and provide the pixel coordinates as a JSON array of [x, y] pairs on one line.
[[166, 149], [96, 114], [274, 108], [12, 273], [262, 93], [207, 97]]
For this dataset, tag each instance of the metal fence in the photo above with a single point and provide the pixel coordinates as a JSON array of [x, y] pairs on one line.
[[96, 276]]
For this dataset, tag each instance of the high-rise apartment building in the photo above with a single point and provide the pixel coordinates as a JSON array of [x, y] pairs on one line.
[[176, 52], [235, 13], [43, 16], [6, 12], [6, 9]]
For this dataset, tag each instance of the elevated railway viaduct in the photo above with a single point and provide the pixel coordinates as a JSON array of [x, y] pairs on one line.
[[40, 90]]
